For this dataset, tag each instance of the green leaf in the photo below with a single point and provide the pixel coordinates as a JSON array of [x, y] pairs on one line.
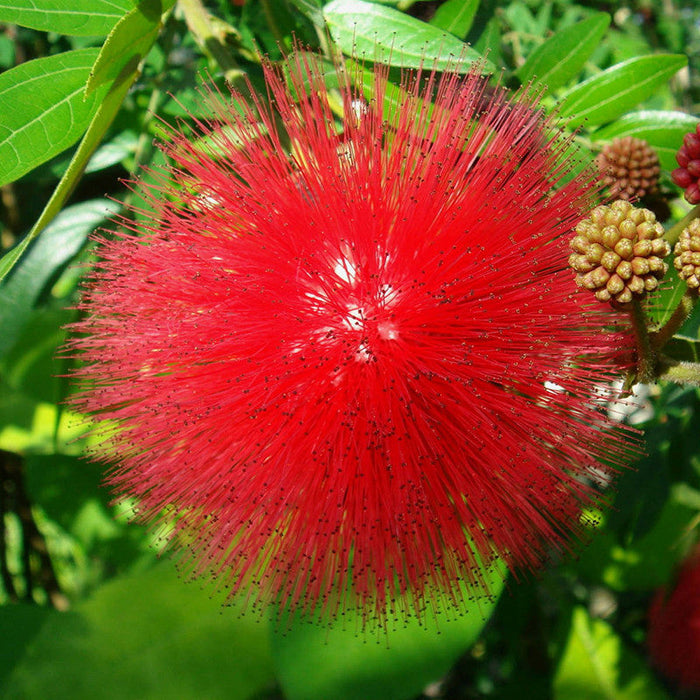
[[543, 18], [43, 110], [642, 491], [686, 495], [72, 17], [648, 561], [131, 39], [520, 18], [38, 427], [667, 297], [613, 92], [46, 477], [98, 126], [63, 239], [9, 260], [489, 43], [663, 130], [148, 635], [86, 513], [121, 147], [311, 9], [682, 350], [559, 59], [456, 16], [22, 623], [596, 665], [340, 662], [374, 32], [691, 328], [31, 365]]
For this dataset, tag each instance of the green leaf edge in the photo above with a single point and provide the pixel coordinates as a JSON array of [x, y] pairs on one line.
[[589, 32], [91, 139], [101, 68], [460, 63], [571, 100]]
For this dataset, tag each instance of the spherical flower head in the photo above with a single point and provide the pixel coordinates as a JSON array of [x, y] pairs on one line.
[[674, 627], [629, 168], [687, 176], [619, 252], [344, 362], [687, 255]]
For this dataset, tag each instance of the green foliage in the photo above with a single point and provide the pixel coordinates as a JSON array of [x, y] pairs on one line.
[[78, 94], [456, 17], [44, 109], [607, 96], [397, 663], [662, 129], [146, 635], [127, 43], [376, 32], [561, 57], [597, 665], [66, 16], [64, 238]]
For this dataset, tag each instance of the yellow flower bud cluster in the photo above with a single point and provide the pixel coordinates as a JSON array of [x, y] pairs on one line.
[[619, 252], [687, 254]]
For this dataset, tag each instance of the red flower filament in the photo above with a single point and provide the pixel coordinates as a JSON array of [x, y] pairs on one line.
[[356, 372]]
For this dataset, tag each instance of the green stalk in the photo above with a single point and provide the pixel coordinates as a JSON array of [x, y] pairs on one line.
[[198, 22], [679, 372], [646, 356], [679, 316], [673, 234]]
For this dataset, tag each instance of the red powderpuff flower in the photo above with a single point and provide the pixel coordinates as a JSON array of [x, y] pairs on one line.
[[674, 627], [355, 371]]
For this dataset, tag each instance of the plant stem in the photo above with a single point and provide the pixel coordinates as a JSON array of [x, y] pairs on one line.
[[679, 372], [673, 234], [646, 356], [679, 316], [197, 19]]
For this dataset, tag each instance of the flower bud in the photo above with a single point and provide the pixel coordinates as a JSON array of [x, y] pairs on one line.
[[687, 176], [687, 254], [619, 252], [629, 167]]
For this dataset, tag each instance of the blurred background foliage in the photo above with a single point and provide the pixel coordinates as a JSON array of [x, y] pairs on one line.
[[87, 609]]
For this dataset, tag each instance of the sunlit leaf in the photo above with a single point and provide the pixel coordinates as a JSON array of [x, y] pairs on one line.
[[39, 427], [663, 129], [596, 665], [340, 662], [73, 17], [43, 110], [312, 9], [130, 40], [613, 92], [375, 32], [64, 237], [456, 16], [646, 562], [563, 55], [147, 635], [99, 124]]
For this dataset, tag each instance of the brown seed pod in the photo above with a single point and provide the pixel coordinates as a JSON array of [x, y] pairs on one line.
[[629, 167], [687, 254], [619, 252]]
